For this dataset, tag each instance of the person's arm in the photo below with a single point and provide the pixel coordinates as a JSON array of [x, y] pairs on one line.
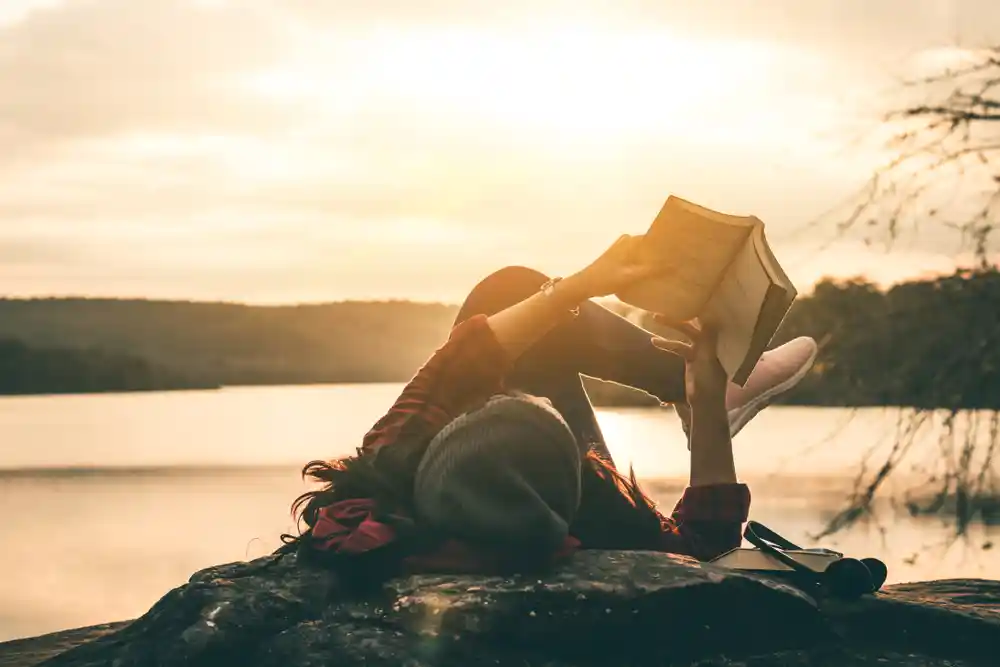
[[472, 364], [712, 461], [707, 521], [520, 326], [469, 367]]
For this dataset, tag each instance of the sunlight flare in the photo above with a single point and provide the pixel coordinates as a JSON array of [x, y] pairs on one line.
[[589, 84]]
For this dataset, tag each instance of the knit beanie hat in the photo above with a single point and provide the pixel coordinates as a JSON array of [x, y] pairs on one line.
[[505, 476]]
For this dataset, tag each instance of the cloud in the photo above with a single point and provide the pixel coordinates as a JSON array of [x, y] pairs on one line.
[[101, 67], [32, 251], [267, 149], [856, 27], [98, 67]]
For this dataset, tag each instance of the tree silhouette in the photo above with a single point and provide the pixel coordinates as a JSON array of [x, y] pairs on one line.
[[945, 156], [943, 174]]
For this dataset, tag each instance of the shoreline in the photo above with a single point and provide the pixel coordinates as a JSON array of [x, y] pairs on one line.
[[602, 394], [30, 651]]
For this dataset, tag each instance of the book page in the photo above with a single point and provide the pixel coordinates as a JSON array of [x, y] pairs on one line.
[[694, 251], [736, 306], [778, 275], [755, 559]]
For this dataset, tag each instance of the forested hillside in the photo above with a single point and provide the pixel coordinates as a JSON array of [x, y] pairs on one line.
[[42, 370], [927, 344], [236, 344]]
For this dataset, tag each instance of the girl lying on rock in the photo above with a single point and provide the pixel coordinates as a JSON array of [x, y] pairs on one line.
[[492, 460]]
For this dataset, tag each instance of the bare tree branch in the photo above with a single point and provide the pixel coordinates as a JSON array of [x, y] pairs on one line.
[[944, 171]]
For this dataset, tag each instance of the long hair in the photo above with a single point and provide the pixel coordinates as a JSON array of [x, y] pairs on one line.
[[614, 512], [385, 476]]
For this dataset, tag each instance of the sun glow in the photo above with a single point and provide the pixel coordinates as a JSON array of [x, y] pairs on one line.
[[359, 151], [931, 62], [581, 83], [12, 11]]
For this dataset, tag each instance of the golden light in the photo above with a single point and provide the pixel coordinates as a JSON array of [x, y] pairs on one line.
[[578, 83], [928, 62]]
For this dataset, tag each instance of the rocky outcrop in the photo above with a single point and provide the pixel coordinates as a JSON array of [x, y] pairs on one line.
[[604, 608]]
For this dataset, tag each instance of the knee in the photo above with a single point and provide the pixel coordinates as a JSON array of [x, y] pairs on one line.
[[513, 279], [501, 289]]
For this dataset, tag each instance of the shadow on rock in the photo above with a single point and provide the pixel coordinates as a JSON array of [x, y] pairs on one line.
[[603, 608]]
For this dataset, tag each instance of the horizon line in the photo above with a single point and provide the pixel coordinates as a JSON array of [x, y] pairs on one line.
[[916, 278]]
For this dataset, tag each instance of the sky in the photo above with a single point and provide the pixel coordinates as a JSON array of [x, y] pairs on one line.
[[311, 150]]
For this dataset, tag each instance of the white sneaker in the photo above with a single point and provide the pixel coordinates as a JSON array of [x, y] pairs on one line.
[[776, 372]]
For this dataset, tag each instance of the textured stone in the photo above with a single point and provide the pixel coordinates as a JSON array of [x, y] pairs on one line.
[[603, 608]]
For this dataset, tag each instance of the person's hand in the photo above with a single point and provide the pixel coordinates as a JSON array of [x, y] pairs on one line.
[[704, 416], [618, 267], [705, 381]]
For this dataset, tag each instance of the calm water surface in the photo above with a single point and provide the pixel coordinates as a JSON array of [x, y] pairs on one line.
[[108, 501]]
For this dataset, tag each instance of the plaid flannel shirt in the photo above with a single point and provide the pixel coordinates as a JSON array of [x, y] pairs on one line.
[[469, 368]]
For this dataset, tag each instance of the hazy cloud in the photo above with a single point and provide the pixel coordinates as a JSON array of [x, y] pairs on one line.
[[20, 251], [848, 26], [264, 149], [98, 67]]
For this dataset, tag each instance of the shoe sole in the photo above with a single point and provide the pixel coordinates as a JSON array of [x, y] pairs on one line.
[[749, 411]]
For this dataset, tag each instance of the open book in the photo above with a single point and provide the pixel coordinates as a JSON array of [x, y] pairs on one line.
[[755, 559], [720, 269]]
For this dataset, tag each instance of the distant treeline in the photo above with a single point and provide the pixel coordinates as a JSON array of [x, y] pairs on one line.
[[928, 343], [26, 370], [229, 344]]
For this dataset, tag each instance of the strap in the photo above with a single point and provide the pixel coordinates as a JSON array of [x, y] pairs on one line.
[[774, 545], [758, 531], [846, 577]]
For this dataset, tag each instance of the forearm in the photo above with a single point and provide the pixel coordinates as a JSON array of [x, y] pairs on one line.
[[711, 445], [472, 364], [518, 327]]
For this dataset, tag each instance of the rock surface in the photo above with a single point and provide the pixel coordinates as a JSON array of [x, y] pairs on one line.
[[604, 608]]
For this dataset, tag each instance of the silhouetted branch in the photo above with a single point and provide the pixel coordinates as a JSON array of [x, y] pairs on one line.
[[944, 171], [949, 138]]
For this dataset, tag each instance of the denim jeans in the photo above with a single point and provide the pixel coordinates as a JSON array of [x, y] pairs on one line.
[[597, 343]]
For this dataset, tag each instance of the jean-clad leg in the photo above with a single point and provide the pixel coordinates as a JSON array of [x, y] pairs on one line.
[[597, 343]]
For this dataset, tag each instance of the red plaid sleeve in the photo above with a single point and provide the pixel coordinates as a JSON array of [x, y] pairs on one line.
[[707, 521], [469, 368]]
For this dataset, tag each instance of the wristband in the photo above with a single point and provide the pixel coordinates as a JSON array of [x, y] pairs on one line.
[[548, 289]]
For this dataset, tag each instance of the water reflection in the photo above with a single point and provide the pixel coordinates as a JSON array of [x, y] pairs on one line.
[[85, 546]]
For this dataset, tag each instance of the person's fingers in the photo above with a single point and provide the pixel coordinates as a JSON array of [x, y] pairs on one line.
[[677, 347], [690, 329], [684, 412], [633, 252], [636, 272]]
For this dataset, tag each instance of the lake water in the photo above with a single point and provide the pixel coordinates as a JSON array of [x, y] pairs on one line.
[[108, 501]]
